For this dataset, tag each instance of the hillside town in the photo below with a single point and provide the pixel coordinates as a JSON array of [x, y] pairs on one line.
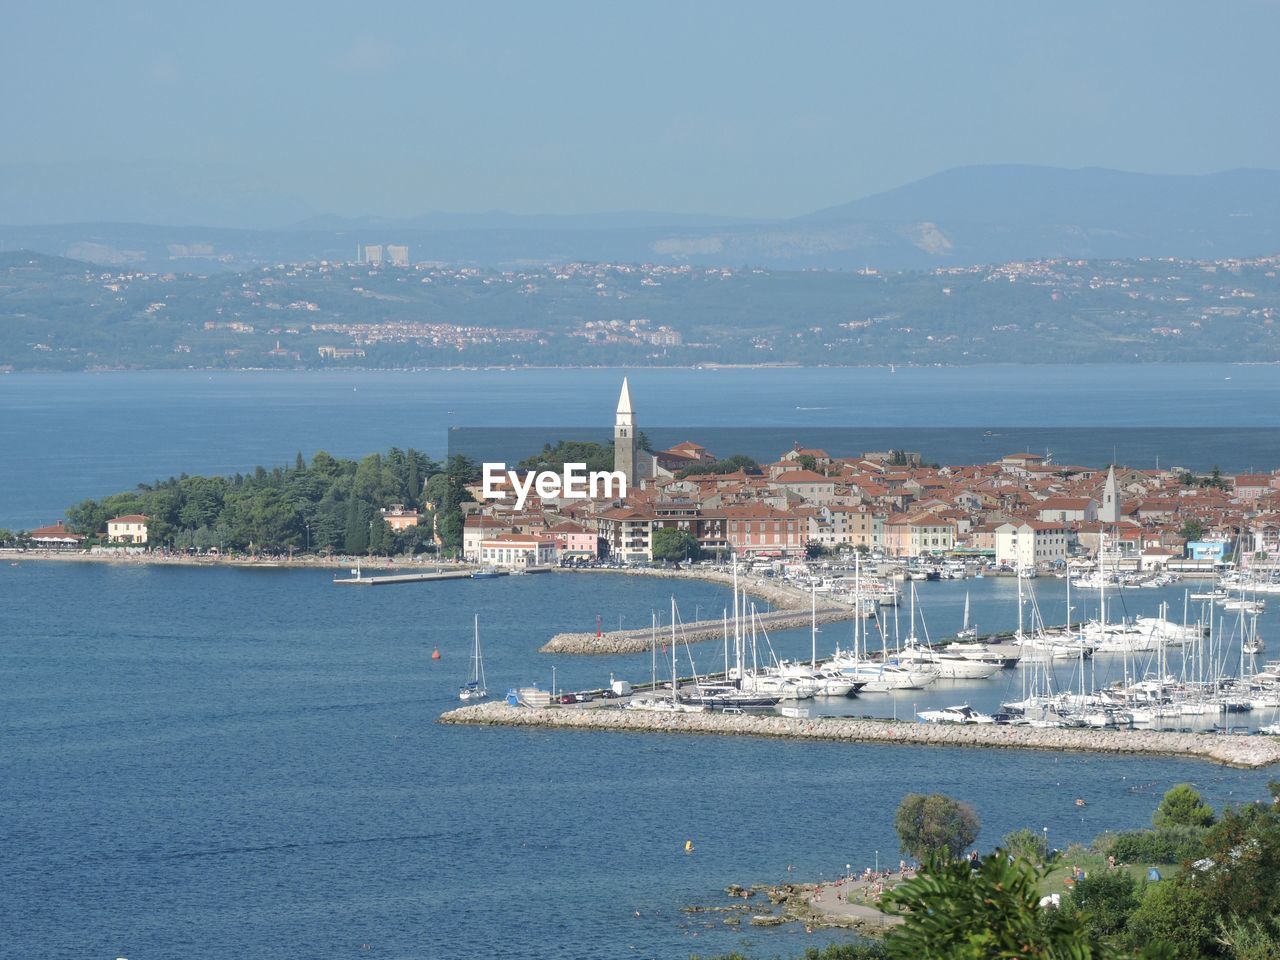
[[1020, 511]]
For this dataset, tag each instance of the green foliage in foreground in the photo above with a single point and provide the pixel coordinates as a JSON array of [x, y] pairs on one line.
[[833, 951], [1224, 905], [955, 912]]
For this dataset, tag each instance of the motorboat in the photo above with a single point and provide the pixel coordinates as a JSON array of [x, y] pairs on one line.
[[960, 714], [949, 667]]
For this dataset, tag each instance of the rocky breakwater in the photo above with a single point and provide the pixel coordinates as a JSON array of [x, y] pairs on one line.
[[791, 611], [1236, 751]]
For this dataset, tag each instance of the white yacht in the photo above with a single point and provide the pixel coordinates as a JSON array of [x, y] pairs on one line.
[[961, 714]]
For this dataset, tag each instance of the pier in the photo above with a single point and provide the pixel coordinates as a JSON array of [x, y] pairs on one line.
[[639, 640], [1234, 751], [413, 578]]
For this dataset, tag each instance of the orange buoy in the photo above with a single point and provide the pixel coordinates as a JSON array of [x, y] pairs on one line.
[[435, 654]]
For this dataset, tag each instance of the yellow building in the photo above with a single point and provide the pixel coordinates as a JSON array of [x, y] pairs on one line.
[[129, 529]]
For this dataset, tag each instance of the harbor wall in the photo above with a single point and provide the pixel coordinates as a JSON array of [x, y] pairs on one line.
[[791, 612], [1236, 751]]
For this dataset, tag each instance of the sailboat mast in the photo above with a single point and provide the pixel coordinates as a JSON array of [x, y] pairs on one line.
[[675, 683], [653, 648], [813, 626]]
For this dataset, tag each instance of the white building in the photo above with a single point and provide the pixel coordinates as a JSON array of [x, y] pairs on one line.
[[518, 550], [129, 529], [1030, 543]]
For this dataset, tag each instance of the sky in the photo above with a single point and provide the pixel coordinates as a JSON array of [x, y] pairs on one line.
[[271, 112]]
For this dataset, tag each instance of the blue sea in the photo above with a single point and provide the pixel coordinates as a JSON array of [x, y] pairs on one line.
[[245, 762]]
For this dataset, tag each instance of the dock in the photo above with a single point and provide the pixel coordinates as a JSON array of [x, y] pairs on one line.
[[1235, 751], [698, 631], [414, 578]]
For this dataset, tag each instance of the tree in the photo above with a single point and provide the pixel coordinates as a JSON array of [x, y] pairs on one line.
[[1192, 529], [935, 824], [381, 539], [955, 912], [1026, 844], [1106, 898], [672, 543], [729, 465], [1173, 914], [597, 456], [1182, 806]]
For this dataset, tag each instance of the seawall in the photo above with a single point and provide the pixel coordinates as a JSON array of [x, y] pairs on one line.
[[791, 611], [1236, 751]]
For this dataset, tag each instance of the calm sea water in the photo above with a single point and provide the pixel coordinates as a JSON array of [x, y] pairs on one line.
[[246, 762]]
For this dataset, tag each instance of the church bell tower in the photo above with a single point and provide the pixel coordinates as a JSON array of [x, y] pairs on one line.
[[624, 438]]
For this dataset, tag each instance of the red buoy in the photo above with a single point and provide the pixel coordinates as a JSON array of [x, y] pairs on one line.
[[435, 654]]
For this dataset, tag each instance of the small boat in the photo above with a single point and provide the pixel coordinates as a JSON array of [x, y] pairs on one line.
[[486, 574], [474, 689]]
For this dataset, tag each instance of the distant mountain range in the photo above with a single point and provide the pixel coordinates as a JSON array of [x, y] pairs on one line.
[[968, 215]]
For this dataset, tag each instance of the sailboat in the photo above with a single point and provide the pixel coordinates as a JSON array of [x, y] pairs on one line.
[[655, 704], [474, 689]]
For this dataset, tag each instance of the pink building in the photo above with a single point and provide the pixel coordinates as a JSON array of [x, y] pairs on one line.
[[575, 540]]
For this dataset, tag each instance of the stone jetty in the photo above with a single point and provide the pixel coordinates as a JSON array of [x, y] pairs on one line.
[[791, 611], [1235, 751]]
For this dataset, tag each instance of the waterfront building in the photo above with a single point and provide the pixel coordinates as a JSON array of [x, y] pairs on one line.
[[55, 537], [757, 529], [627, 532], [518, 551], [575, 541], [476, 528], [128, 529], [1031, 543], [919, 535], [837, 525]]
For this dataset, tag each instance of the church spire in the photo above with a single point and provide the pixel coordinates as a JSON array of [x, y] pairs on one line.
[[625, 453]]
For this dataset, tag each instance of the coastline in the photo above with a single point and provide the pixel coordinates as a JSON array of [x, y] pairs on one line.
[[1249, 753], [13, 556]]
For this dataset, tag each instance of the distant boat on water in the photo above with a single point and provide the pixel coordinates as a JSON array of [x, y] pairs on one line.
[[474, 689]]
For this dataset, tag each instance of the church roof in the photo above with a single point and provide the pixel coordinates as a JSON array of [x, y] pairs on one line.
[[624, 398]]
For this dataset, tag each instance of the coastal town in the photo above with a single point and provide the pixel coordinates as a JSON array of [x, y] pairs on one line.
[[1022, 511]]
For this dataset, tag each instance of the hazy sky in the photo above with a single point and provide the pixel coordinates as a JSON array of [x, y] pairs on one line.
[[732, 108]]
